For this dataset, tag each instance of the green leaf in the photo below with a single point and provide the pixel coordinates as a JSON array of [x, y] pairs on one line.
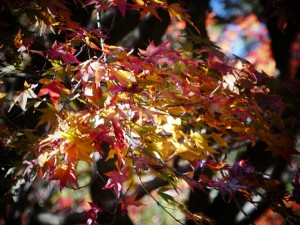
[[166, 197]]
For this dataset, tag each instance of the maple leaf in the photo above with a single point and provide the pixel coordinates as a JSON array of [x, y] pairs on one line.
[[79, 148], [122, 5], [120, 143], [99, 5], [92, 214], [115, 181], [193, 184], [152, 50], [146, 8], [176, 11], [66, 175], [141, 164], [54, 88], [131, 200], [94, 93], [243, 172], [219, 140], [22, 44], [166, 197], [22, 97], [124, 77], [91, 44], [58, 50], [132, 89], [48, 115]]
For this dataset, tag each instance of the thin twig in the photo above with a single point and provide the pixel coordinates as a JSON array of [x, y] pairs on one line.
[[245, 214], [80, 51], [176, 172], [63, 106], [102, 39], [158, 203]]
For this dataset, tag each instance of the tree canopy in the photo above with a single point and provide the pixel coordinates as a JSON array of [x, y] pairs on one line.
[[92, 95]]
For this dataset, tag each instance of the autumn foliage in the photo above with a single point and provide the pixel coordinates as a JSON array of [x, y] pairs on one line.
[[144, 109]]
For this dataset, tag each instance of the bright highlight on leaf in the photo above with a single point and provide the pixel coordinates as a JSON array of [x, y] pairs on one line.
[[22, 97]]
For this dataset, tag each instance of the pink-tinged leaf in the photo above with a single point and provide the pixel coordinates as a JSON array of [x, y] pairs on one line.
[[101, 135], [92, 214], [152, 50], [122, 5], [216, 104], [115, 181], [59, 50], [141, 164], [116, 89], [132, 89]]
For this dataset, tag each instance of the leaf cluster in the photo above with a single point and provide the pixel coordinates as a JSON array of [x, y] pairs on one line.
[[149, 108]]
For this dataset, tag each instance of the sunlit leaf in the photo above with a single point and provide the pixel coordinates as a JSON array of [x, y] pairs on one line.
[[22, 97], [54, 88]]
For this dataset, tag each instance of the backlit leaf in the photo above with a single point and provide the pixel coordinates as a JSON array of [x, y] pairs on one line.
[[22, 97], [54, 88]]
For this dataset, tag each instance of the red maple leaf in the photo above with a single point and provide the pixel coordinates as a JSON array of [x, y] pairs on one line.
[[54, 88], [115, 181], [92, 214], [120, 143], [129, 200], [122, 5]]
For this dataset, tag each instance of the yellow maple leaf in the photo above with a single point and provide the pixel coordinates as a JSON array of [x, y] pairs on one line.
[[219, 140], [177, 12]]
